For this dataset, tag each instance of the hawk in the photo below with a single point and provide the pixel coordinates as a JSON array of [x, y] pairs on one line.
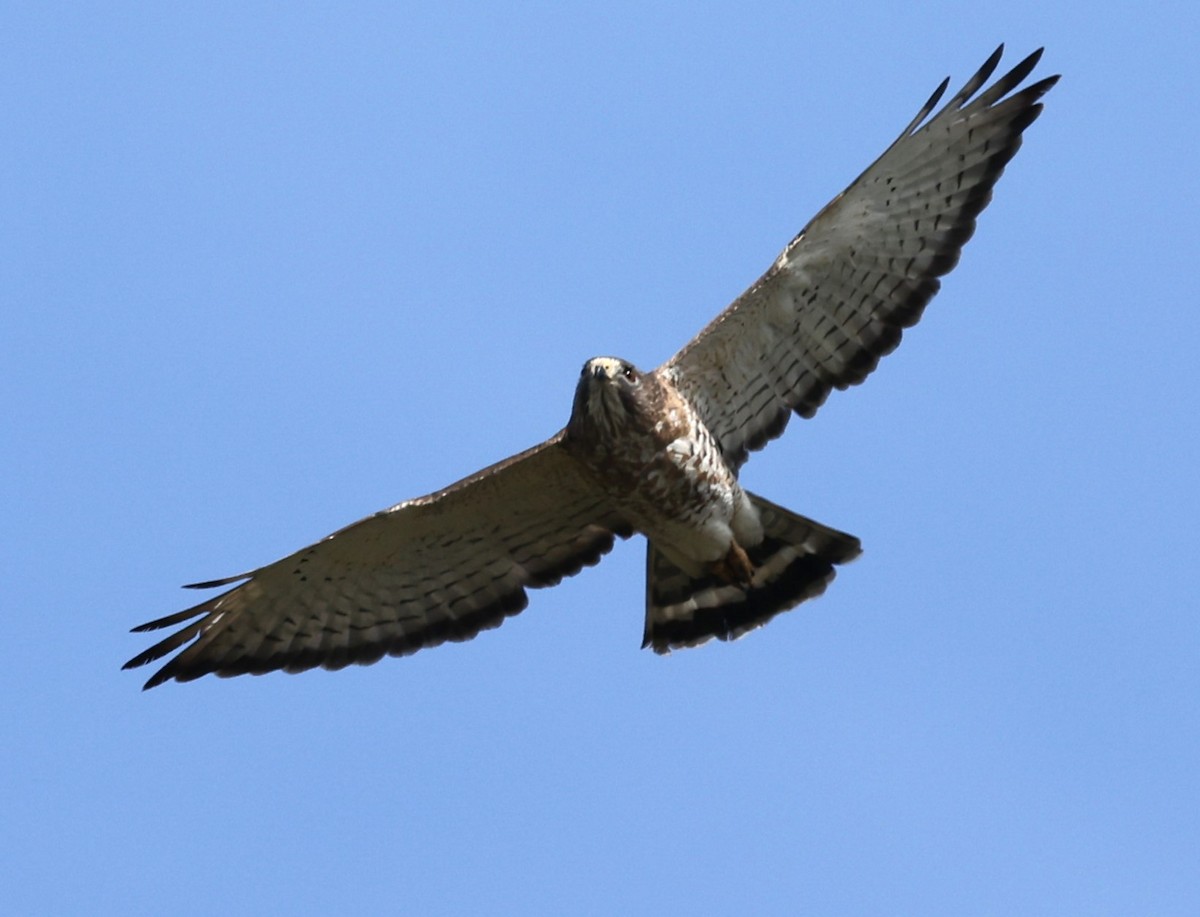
[[653, 452]]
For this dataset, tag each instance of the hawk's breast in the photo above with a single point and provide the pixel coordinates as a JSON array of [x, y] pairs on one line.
[[661, 467]]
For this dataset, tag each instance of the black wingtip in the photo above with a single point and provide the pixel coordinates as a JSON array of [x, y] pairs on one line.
[[171, 620], [936, 96], [155, 680], [214, 583], [989, 66], [1017, 75]]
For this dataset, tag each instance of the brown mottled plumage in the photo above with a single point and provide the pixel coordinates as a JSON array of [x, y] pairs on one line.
[[656, 452]]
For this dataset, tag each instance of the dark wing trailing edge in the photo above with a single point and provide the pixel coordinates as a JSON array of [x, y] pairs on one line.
[[840, 294], [442, 567]]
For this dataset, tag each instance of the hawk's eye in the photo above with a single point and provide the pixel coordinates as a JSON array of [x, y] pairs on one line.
[[629, 373]]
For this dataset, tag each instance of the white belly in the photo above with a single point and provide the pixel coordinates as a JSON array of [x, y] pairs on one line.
[[692, 508]]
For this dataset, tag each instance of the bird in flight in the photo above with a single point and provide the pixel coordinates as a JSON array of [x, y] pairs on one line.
[[656, 452]]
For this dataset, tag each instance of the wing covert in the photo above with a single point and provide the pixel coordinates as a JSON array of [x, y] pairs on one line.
[[440, 567], [839, 296]]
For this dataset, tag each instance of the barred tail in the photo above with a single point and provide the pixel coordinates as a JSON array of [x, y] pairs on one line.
[[794, 562]]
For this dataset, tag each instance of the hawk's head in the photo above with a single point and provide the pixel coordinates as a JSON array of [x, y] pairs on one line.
[[611, 394]]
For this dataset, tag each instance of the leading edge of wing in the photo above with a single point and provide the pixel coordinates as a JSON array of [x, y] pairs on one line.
[[844, 330], [398, 589]]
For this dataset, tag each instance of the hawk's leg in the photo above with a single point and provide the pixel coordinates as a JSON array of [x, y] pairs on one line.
[[734, 567]]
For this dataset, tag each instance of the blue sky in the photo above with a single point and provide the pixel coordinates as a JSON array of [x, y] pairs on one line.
[[267, 271]]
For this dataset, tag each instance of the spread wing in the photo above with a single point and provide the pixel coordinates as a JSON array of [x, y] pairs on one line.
[[839, 296], [441, 567]]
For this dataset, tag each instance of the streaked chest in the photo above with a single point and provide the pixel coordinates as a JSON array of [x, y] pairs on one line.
[[669, 467]]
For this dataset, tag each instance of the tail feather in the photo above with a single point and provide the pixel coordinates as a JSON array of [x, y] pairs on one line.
[[794, 562]]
